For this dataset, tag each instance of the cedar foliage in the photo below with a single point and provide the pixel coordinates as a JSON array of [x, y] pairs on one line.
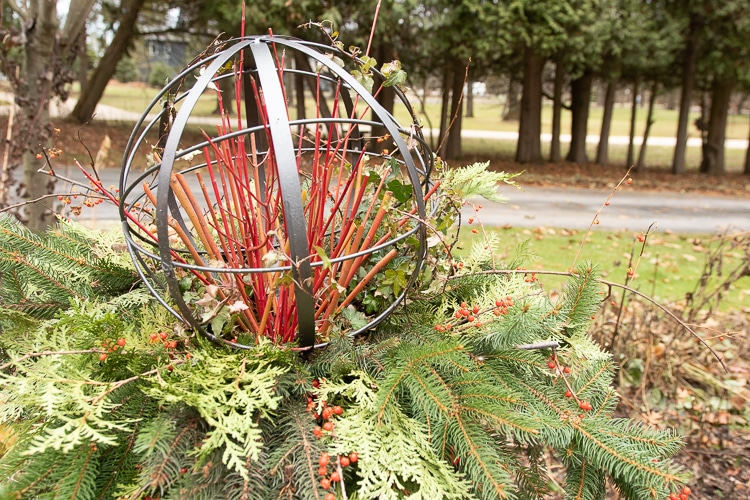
[[435, 405]]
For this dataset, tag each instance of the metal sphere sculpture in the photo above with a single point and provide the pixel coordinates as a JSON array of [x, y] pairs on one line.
[[285, 220]]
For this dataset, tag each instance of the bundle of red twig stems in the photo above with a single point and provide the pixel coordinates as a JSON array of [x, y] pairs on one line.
[[237, 218]]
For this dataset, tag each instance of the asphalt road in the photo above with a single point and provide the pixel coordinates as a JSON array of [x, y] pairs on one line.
[[629, 209], [569, 208]]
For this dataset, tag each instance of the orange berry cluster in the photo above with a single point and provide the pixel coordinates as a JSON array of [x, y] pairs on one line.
[[334, 476], [52, 153], [111, 347], [502, 306], [683, 495], [168, 344], [469, 315]]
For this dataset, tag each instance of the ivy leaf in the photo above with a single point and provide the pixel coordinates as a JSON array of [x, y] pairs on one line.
[[394, 75], [364, 79], [400, 191], [323, 257]]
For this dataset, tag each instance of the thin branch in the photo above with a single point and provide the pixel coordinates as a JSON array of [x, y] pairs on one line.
[[372, 30], [595, 220]]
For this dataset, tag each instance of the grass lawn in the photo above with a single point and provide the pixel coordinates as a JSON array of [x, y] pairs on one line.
[[670, 267]]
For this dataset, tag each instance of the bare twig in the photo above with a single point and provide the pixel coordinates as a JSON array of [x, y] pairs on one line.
[[595, 220]]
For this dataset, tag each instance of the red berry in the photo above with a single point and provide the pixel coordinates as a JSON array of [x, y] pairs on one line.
[[337, 410], [325, 483], [566, 369], [551, 365], [163, 335], [335, 476], [102, 357], [469, 318], [317, 432], [153, 337], [686, 490], [323, 471], [328, 426], [641, 238], [170, 368], [630, 181], [684, 496], [327, 412], [344, 461], [353, 457], [330, 496], [475, 309], [673, 496], [568, 394], [324, 459], [316, 383], [121, 342]]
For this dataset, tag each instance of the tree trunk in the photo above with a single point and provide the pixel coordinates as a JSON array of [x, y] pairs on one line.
[[529, 147], [633, 113], [444, 108], [713, 148], [46, 67], [469, 99], [579, 107], [688, 81], [453, 144], [38, 75], [299, 87], [554, 149], [649, 122], [746, 169], [512, 106], [83, 61], [602, 150], [92, 93]]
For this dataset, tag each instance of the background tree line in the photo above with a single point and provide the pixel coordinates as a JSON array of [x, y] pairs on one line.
[[551, 49]]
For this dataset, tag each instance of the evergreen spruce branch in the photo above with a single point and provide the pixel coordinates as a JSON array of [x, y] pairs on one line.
[[298, 449], [43, 275], [580, 299], [390, 386], [118, 463], [80, 479], [438, 392], [598, 448], [507, 425], [541, 396], [27, 472], [164, 451], [583, 481], [483, 463], [595, 377], [532, 480], [612, 284]]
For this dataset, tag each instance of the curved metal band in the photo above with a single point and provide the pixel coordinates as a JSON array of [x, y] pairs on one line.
[[291, 191]]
